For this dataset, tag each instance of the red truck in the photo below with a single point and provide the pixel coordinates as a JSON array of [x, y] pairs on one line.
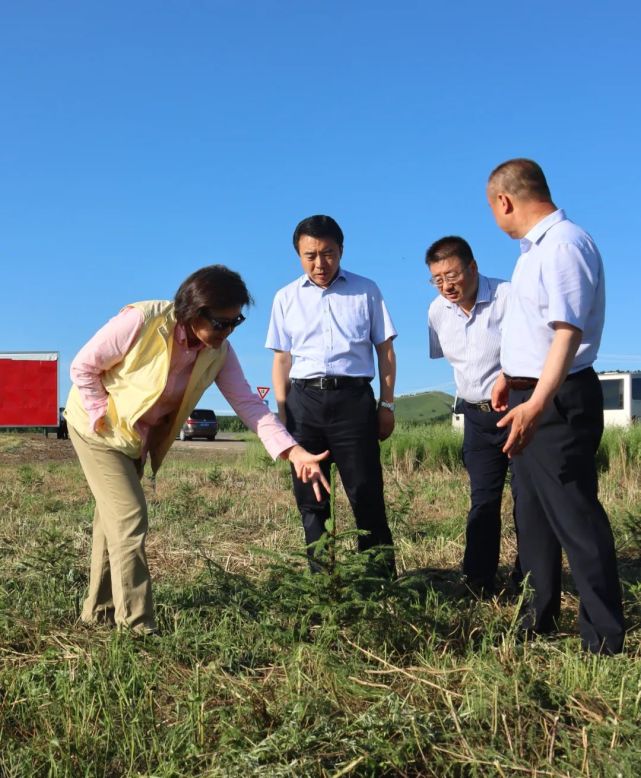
[[29, 390]]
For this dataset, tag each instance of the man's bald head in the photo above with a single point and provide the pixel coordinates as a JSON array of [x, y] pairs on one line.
[[520, 178], [519, 196]]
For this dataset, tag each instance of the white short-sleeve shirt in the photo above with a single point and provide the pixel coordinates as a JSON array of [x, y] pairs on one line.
[[330, 332], [471, 344], [558, 278]]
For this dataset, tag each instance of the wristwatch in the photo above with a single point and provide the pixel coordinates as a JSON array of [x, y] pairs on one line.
[[390, 406]]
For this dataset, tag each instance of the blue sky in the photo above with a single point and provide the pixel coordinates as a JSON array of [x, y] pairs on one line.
[[142, 140]]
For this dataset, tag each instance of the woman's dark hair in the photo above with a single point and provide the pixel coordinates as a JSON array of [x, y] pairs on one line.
[[208, 289], [318, 226]]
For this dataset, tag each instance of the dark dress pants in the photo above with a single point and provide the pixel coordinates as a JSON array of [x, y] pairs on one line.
[[487, 466], [558, 508], [345, 422]]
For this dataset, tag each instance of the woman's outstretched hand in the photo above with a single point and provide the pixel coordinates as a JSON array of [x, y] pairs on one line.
[[307, 468]]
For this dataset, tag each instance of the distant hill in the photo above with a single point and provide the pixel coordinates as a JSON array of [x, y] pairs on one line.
[[424, 407]]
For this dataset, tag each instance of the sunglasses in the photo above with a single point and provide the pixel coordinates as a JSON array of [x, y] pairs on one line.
[[224, 324]]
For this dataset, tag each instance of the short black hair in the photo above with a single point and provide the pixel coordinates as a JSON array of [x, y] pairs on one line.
[[318, 226], [209, 289], [522, 178], [450, 246]]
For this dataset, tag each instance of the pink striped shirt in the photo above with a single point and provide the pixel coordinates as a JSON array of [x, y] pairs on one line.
[[109, 346]]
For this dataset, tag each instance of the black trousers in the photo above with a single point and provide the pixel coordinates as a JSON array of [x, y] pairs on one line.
[[558, 508], [487, 467], [345, 422]]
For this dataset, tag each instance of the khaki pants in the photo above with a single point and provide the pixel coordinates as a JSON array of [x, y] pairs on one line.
[[119, 583]]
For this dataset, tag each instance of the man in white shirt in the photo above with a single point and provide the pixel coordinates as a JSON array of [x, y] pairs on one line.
[[323, 330], [551, 335], [464, 325]]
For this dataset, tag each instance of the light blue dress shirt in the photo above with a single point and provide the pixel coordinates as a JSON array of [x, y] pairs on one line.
[[330, 332], [558, 278], [471, 344]]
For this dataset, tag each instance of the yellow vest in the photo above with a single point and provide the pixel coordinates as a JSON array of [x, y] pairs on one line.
[[136, 383]]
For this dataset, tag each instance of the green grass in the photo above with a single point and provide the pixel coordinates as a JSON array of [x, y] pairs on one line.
[[434, 446], [264, 670], [424, 407], [10, 441]]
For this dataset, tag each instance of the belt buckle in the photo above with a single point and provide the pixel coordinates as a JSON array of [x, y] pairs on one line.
[[486, 407], [328, 382]]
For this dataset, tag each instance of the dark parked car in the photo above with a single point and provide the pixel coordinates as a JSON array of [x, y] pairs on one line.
[[202, 423]]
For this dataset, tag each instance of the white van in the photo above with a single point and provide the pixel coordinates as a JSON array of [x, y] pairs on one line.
[[621, 397], [458, 420]]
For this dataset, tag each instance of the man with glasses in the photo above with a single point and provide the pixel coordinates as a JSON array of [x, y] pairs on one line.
[[324, 328], [464, 324]]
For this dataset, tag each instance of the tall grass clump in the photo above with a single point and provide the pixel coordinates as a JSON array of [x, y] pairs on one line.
[[435, 446], [619, 464], [620, 446]]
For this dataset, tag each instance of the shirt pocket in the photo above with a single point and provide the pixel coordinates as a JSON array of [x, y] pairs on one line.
[[354, 322]]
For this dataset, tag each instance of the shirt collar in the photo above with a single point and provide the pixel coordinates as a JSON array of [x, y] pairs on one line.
[[483, 292], [305, 280], [180, 336], [540, 228]]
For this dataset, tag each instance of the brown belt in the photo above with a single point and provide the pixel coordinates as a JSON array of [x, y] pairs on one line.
[[521, 382]]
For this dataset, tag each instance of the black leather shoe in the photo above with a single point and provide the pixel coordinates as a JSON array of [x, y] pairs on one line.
[[481, 588]]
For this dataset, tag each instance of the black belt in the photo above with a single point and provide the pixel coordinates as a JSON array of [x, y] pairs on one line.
[[521, 382], [484, 405], [331, 382]]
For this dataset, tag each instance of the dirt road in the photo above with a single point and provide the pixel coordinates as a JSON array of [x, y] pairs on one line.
[[29, 448], [225, 443]]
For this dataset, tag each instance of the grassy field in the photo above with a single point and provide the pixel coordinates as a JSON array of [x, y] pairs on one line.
[[261, 669]]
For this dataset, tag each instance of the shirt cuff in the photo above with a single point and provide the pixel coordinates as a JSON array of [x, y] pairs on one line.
[[274, 436], [95, 414]]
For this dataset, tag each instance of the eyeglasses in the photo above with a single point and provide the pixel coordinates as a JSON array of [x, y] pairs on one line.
[[449, 278], [224, 324]]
